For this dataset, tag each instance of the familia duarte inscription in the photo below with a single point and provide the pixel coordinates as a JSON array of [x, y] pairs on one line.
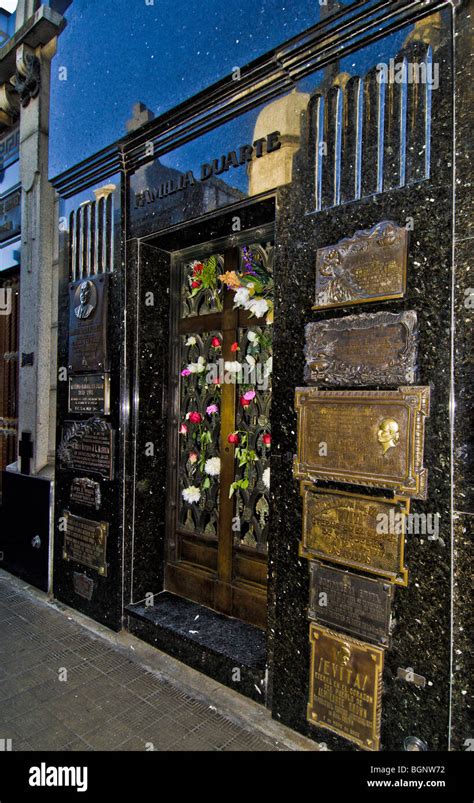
[[216, 167]]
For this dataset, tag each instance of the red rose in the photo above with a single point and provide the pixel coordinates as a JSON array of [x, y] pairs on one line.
[[195, 284], [267, 439], [244, 402], [198, 268], [195, 418], [233, 438], [215, 342], [234, 347]]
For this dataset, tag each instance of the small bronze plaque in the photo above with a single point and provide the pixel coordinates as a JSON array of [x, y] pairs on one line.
[[85, 542], [88, 446], [371, 437], [350, 602], [89, 394], [370, 266], [83, 585], [362, 532], [374, 349], [345, 686], [88, 303], [86, 492]]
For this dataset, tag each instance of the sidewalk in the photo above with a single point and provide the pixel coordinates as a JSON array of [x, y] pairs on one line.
[[69, 684]]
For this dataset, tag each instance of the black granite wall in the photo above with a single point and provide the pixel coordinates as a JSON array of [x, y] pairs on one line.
[[422, 611]]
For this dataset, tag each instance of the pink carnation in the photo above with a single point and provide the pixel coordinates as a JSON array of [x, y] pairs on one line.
[[213, 408]]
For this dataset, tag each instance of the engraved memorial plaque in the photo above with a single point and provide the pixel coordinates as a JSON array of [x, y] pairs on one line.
[[88, 303], [86, 492], [370, 266], [362, 532], [83, 585], [345, 686], [88, 446], [89, 394], [371, 437], [350, 602], [373, 349], [85, 542]]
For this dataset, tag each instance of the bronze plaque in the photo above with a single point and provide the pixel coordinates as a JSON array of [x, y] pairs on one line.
[[345, 693], [359, 605], [85, 542], [88, 446], [88, 303], [362, 532], [373, 349], [86, 492], [83, 585], [363, 437], [370, 266], [89, 393]]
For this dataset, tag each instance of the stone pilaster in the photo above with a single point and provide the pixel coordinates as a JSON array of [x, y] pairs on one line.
[[38, 234]]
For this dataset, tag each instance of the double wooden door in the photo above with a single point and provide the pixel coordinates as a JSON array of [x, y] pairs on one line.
[[219, 438]]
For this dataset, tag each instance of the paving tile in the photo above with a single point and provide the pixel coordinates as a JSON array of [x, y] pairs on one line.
[[107, 702]]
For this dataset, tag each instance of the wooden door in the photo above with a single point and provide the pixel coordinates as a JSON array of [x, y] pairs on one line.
[[219, 439]]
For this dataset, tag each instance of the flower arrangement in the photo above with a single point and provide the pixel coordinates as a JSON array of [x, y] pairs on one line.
[[195, 425], [204, 277], [247, 457], [252, 286]]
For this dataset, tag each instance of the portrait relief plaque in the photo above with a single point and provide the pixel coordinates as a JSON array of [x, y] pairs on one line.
[[345, 686], [88, 305], [85, 542], [369, 349], [371, 437], [369, 266], [343, 600], [361, 532], [88, 446], [89, 393], [86, 492]]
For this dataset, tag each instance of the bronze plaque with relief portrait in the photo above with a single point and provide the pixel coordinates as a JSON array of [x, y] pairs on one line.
[[370, 437], [88, 303], [345, 686]]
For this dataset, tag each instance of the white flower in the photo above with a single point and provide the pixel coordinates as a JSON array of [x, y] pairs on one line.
[[241, 297], [197, 367], [213, 466], [250, 360], [266, 478], [191, 341], [232, 367], [191, 494], [252, 336], [257, 306]]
